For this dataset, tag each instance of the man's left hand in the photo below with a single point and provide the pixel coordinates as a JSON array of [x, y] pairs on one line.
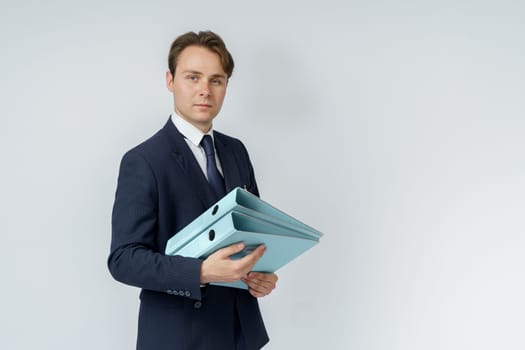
[[260, 284]]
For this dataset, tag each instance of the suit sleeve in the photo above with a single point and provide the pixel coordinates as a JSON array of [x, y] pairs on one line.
[[134, 258]]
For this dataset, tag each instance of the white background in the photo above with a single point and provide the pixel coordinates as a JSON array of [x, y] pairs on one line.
[[396, 128]]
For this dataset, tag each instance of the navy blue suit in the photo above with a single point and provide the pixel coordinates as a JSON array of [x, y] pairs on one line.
[[161, 189]]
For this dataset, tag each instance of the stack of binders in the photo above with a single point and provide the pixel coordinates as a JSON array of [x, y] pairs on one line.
[[243, 217]]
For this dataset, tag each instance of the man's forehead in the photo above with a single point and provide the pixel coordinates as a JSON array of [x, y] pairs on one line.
[[200, 59]]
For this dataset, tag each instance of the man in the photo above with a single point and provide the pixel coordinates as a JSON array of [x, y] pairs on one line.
[[166, 182]]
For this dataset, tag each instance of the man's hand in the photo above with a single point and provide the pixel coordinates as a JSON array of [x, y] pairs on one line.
[[219, 267], [260, 284]]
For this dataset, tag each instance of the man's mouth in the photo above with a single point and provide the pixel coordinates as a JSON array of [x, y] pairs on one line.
[[202, 105]]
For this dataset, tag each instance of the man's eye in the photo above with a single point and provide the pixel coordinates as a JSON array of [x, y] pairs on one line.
[[216, 82], [192, 77]]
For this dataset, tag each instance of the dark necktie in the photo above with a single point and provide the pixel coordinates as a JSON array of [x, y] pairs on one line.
[[214, 177]]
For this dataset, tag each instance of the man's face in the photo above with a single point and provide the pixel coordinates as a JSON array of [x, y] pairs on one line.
[[198, 87]]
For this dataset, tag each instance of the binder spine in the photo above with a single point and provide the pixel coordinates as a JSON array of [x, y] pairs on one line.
[[215, 234], [201, 223]]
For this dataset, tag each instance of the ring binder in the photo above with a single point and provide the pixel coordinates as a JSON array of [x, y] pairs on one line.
[[242, 217]]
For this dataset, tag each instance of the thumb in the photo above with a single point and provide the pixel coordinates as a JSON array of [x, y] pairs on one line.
[[230, 250]]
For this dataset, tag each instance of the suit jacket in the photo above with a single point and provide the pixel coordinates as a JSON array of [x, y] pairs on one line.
[[161, 189]]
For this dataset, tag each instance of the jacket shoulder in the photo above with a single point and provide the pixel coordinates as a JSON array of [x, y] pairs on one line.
[[155, 147], [229, 140]]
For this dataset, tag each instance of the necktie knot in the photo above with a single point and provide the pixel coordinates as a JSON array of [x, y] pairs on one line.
[[207, 144]]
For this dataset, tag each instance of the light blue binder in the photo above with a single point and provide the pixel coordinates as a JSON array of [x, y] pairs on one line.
[[241, 201], [282, 244]]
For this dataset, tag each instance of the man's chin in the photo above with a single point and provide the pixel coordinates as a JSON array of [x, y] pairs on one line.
[[205, 117]]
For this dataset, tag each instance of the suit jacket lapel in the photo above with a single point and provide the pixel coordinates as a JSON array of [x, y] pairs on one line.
[[185, 159], [230, 170]]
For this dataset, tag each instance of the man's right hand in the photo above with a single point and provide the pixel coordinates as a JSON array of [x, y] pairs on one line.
[[219, 267]]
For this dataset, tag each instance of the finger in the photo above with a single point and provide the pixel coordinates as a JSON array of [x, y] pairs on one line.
[[260, 286], [263, 276], [259, 251], [247, 263], [230, 250], [268, 281], [255, 289], [259, 290], [256, 294], [254, 256]]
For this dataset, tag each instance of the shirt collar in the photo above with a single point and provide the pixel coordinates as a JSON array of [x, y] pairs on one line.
[[189, 131]]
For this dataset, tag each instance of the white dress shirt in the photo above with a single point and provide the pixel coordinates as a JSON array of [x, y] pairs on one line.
[[193, 137]]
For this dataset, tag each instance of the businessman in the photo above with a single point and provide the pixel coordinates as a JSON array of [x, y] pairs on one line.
[[166, 182]]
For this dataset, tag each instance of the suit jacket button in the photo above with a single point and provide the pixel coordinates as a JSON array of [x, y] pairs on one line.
[[197, 304], [187, 293], [169, 291]]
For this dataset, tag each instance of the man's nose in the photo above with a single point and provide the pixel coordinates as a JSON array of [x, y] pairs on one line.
[[205, 89]]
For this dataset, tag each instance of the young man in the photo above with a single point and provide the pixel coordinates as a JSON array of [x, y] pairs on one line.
[[166, 182]]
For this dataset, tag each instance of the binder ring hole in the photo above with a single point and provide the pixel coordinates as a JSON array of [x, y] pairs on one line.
[[211, 235], [215, 209]]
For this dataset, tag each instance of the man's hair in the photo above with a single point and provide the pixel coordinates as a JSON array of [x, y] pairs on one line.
[[206, 39]]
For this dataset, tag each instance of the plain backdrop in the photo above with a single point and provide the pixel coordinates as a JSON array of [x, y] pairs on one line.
[[396, 128]]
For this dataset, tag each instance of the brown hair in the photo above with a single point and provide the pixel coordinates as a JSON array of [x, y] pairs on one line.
[[206, 39]]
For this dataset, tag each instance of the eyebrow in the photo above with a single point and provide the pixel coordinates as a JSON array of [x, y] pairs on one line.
[[216, 75]]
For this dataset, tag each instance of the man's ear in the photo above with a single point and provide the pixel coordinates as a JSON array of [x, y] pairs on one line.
[[169, 81]]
